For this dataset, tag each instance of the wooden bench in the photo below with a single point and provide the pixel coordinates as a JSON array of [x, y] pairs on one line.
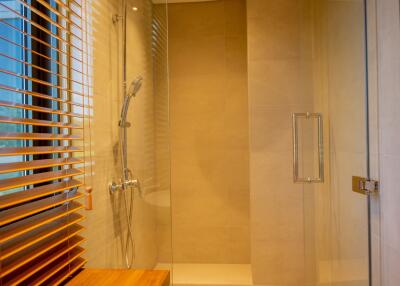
[[113, 277]]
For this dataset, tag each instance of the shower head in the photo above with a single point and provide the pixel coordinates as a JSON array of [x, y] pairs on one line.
[[135, 86]]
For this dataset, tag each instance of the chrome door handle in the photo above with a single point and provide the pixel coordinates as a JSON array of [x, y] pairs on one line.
[[296, 178]]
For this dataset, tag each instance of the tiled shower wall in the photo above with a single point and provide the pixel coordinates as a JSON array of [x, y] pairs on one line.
[[280, 82], [303, 56], [209, 132]]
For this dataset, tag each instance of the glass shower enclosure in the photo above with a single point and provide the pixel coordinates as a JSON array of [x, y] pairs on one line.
[[304, 73]]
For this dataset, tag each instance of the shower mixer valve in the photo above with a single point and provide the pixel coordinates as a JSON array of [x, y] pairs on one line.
[[123, 185]]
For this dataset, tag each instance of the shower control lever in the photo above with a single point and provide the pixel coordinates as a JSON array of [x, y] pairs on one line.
[[134, 183]]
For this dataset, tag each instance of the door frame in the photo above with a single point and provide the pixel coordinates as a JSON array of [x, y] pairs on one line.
[[373, 200]]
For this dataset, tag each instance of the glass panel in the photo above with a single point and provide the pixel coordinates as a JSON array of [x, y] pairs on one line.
[[146, 58], [140, 52], [336, 219]]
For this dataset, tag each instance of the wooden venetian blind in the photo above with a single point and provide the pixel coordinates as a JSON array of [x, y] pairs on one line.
[[44, 106]]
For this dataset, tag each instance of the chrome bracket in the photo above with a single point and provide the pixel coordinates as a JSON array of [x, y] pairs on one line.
[[364, 186], [126, 125]]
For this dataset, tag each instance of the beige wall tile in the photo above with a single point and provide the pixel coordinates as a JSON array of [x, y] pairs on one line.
[[196, 20], [275, 24], [209, 132], [280, 83]]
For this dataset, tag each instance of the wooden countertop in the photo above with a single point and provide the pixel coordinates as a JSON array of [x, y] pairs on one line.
[[112, 277]]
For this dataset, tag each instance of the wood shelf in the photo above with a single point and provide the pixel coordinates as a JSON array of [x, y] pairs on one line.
[[111, 277]]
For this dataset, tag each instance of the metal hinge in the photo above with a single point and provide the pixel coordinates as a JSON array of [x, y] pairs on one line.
[[364, 186]]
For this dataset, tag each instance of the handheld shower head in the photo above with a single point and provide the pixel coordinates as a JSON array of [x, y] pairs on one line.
[[135, 86], [132, 91]]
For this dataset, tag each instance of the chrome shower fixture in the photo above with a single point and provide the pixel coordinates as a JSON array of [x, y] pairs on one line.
[[132, 91], [116, 18], [126, 181], [135, 86]]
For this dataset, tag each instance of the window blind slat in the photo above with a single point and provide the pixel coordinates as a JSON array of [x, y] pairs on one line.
[[38, 192], [12, 183], [26, 210], [14, 151], [37, 136], [61, 270], [2, 21], [37, 164], [47, 31], [41, 69], [32, 239], [69, 269], [61, 28], [36, 122], [38, 109], [37, 251], [39, 95], [45, 260], [40, 54], [41, 14], [38, 81], [26, 225], [62, 4]]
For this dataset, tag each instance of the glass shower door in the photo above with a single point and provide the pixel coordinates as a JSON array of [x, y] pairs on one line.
[[337, 226]]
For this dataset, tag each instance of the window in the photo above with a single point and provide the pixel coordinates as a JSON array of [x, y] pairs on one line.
[[43, 92], [11, 56]]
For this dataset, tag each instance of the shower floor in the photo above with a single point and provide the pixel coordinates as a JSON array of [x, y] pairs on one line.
[[188, 274]]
